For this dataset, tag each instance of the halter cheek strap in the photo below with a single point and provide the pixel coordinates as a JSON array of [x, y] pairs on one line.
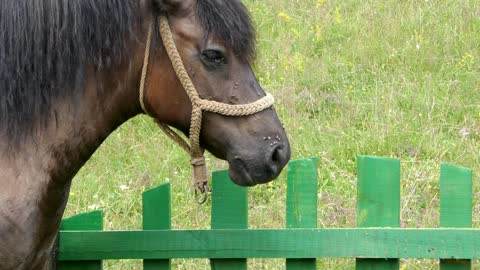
[[199, 168]]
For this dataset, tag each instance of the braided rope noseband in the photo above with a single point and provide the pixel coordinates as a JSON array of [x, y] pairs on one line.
[[199, 168]]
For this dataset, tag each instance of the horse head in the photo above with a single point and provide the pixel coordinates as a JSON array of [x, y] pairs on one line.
[[215, 40]]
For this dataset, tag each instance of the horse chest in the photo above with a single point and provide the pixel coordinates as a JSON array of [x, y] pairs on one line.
[[27, 232]]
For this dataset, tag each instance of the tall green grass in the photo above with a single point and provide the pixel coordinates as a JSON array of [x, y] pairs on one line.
[[389, 78]]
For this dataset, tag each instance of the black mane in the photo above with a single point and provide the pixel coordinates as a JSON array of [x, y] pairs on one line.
[[230, 21], [45, 45]]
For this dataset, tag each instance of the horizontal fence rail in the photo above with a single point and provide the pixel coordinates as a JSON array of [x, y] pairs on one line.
[[288, 243], [377, 243]]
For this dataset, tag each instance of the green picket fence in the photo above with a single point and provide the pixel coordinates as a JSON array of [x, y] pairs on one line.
[[377, 243]]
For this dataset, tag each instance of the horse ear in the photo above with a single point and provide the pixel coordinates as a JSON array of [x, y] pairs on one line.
[[169, 6]]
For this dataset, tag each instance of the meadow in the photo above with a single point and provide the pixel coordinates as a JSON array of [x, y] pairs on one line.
[[390, 78]]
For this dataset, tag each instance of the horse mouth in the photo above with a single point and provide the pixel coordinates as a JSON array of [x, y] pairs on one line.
[[244, 175], [250, 170], [239, 173]]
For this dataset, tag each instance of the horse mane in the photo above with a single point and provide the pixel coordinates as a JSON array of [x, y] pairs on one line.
[[230, 21], [44, 46]]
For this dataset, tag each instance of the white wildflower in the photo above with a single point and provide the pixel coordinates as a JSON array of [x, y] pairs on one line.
[[465, 132]]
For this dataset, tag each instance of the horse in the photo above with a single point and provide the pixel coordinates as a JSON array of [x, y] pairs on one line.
[[69, 76]]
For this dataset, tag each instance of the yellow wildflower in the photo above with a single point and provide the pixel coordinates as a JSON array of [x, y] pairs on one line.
[[466, 61], [338, 16], [321, 3], [284, 16]]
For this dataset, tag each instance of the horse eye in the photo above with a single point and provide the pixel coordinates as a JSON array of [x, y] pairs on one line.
[[214, 57]]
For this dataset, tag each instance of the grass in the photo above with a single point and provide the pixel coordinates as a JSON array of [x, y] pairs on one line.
[[388, 78]]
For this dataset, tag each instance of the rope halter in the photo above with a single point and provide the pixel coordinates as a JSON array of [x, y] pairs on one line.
[[199, 167]]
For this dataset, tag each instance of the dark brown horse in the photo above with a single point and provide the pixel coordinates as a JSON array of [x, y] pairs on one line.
[[69, 76]]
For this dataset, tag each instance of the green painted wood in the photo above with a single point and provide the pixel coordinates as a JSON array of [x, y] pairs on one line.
[[376, 264], [86, 222], [229, 211], [91, 221], [448, 264], [288, 243], [455, 206], [157, 216], [302, 203], [378, 201]]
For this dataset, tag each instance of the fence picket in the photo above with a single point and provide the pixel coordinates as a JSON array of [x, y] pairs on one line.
[[92, 221], [302, 203], [455, 206], [157, 216], [229, 211], [378, 202]]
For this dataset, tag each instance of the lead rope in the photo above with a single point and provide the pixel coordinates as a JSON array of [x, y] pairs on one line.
[[199, 166]]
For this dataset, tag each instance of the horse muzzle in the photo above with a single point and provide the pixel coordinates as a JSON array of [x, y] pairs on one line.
[[259, 166]]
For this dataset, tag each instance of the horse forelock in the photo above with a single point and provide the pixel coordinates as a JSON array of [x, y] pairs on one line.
[[230, 21]]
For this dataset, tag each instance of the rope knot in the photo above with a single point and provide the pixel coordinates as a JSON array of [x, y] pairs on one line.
[[199, 172], [200, 178], [196, 102], [199, 161]]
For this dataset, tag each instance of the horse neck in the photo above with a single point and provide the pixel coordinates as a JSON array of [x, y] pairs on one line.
[[109, 99], [36, 180]]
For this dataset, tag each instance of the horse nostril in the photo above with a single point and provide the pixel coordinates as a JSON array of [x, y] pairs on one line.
[[276, 155], [275, 158]]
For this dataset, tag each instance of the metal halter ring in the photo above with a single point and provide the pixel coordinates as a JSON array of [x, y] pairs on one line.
[[201, 192]]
